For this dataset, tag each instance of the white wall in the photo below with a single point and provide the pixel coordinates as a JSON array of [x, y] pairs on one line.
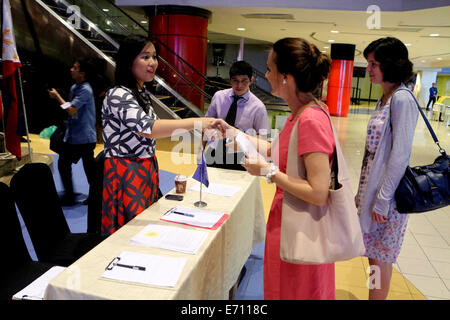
[[423, 87]]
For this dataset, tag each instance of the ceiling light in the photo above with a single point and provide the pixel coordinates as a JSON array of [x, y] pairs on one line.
[[143, 21], [334, 31], [330, 40], [106, 10], [408, 44], [438, 58], [323, 51], [325, 47], [434, 34], [240, 29], [423, 61]]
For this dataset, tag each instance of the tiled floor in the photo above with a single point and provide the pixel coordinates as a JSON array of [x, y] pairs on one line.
[[423, 268]]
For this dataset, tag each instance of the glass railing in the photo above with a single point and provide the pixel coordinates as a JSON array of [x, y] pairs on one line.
[[176, 89], [176, 71]]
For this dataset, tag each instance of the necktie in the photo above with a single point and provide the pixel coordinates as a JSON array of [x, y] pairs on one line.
[[231, 115]]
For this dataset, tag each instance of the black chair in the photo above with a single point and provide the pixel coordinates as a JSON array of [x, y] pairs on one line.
[[35, 194], [95, 195], [17, 269]]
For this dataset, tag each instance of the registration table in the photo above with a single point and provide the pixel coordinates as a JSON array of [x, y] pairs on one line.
[[209, 274]]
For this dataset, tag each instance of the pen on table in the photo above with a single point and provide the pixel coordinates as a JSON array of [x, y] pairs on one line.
[[130, 267], [183, 214]]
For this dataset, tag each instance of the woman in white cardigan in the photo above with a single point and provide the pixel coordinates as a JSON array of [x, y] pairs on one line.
[[390, 132]]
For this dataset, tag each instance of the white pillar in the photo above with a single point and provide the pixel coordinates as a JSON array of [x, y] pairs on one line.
[[427, 77], [240, 56]]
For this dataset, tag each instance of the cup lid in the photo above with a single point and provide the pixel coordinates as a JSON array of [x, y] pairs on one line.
[[180, 178]]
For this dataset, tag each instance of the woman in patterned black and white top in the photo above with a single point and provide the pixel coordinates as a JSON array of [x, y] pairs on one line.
[[130, 127]]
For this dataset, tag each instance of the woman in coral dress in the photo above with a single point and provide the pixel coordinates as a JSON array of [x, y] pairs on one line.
[[295, 70]]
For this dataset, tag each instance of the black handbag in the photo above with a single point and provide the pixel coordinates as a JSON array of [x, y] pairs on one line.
[[425, 188], [57, 143]]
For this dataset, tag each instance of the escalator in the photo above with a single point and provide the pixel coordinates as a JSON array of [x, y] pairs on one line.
[[50, 34]]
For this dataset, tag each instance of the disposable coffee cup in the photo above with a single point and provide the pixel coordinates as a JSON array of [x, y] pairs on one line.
[[180, 184]]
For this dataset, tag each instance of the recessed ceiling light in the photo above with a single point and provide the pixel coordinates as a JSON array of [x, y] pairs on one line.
[[143, 21], [330, 40], [106, 10], [423, 61], [438, 58], [240, 29], [408, 44], [334, 31], [434, 34], [324, 51]]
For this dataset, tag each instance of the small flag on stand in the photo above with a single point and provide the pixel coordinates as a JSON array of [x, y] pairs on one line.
[[201, 174], [10, 62]]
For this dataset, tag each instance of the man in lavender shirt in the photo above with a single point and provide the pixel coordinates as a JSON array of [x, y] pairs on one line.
[[241, 109]]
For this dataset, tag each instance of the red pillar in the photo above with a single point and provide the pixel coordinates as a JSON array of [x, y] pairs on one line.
[[340, 79], [184, 30]]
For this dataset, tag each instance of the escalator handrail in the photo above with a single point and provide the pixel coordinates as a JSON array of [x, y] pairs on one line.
[[193, 108], [159, 58], [93, 26], [75, 31], [184, 78]]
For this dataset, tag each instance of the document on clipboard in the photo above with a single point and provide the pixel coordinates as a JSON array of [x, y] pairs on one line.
[[145, 269], [170, 238], [195, 217], [36, 289]]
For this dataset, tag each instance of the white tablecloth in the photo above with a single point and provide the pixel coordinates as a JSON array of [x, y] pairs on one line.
[[209, 274]]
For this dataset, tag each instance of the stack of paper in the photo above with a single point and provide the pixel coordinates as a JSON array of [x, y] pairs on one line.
[[195, 217], [146, 269], [170, 238], [218, 189], [36, 289]]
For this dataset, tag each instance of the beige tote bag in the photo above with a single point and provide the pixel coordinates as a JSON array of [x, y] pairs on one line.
[[317, 235]]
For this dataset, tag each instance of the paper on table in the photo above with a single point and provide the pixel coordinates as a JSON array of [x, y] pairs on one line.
[[217, 189], [195, 217], [36, 289], [170, 238], [159, 270]]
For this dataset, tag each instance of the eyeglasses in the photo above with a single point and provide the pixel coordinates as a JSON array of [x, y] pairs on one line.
[[373, 65], [236, 81]]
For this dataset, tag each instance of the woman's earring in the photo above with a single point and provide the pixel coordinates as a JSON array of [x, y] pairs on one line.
[[284, 81]]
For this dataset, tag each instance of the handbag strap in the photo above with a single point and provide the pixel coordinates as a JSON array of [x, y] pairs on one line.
[[334, 165], [433, 135]]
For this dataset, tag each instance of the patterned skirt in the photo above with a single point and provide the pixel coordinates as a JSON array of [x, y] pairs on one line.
[[129, 187], [383, 244]]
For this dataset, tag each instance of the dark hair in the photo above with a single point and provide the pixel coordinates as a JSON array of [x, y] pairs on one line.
[[129, 48], [241, 68], [87, 66], [303, 60], [392, 55]]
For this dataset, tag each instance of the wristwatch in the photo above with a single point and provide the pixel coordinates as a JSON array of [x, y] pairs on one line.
[[273, 169]]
